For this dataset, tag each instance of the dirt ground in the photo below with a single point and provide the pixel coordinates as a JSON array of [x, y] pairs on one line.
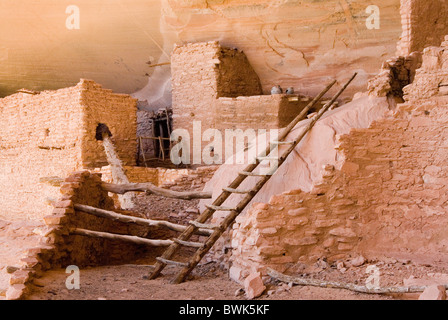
[[128, 283], [210, 282]]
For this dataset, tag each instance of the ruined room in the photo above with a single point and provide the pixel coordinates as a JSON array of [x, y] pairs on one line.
[[224, 150]]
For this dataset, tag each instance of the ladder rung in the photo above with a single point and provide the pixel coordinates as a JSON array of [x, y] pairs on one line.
[[217, 208], [176, 263], [267, 158], [204, 225], [189, 243], [282, 142], [252, 174], [237, 190]]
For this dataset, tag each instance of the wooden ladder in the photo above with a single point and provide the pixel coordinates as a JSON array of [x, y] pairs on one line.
[[218, 230]]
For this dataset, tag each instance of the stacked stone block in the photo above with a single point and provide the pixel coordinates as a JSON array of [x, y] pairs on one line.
[[53, 134]]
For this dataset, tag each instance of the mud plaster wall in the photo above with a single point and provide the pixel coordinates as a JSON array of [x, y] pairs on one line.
[[389, 198], [53, 134], [424, 24]]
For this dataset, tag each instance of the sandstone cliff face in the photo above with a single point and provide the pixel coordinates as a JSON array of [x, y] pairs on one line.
[[291, 43]]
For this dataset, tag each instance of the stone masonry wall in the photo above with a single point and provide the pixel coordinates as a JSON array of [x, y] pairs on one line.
[[119, 113], [388, 198], [194, 70], [39, 137], [59, 249], [52, 134], [395, 74], [163, 177], [258, 112], [424, 24], [236, 77]]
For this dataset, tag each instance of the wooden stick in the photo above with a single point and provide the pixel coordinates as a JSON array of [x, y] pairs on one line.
[[142, 187], [347, 286], [159, 64], [152, 189], [155, 138], [112, 236], [139, 221]]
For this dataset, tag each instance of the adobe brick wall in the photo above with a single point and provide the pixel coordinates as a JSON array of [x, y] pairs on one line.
[[386, 198], [236, 77], [53, 134]]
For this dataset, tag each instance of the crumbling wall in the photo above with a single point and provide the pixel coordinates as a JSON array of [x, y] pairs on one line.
[[59, 249], [387, 198], [164, 177], [85, 188], [236, 77], [432, 78], [52, 134], [423, 24], [39, 137], [395, 74]]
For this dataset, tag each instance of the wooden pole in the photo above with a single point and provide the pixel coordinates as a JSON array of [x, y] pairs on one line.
[[112, 236], [152, 189], [130, 219], [348, 286], [159, 64], [142, 187]]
